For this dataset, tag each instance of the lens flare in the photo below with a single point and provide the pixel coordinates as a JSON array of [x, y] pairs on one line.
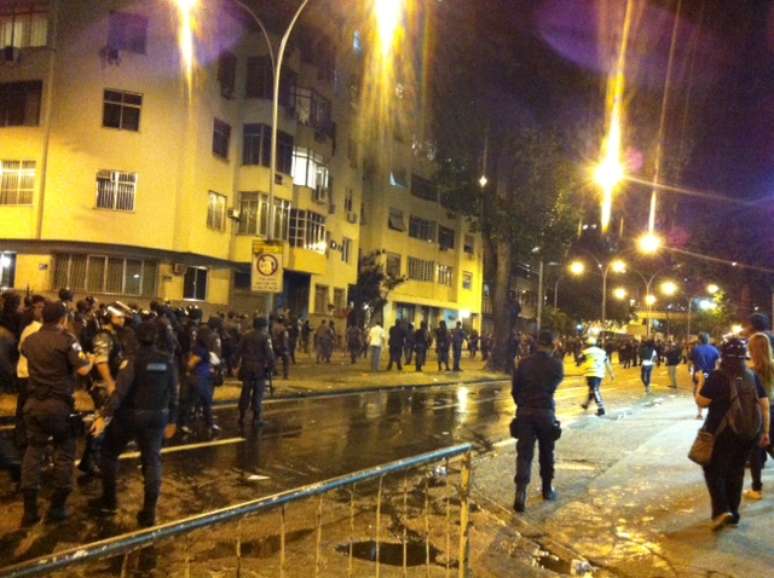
[[388, 14], [186, 13]]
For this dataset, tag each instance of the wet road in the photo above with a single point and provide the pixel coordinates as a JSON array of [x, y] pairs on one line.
[[306, 440]]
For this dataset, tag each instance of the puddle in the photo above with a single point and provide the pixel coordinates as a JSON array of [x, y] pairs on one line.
[[392, 554], [554, 563]]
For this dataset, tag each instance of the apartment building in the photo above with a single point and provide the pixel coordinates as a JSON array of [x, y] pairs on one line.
[[124, 177]]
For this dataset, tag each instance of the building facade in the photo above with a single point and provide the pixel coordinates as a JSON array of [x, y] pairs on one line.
[[124, 176]]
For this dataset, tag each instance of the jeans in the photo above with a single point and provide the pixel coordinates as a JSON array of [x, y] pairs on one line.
[[251, 396], [725, 473], [457, 356], [200, 391], [147, 428], [645, 373], [535, 427], [595, 394], [376, 357], [672, 375]]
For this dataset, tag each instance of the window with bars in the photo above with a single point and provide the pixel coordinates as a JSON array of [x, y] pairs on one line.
[[346, 249], [307, 230], [128, 32], [23, 24], [312, 109], [17, 182], [216, 211], [195, 284], [467, 280], [103, 274], [445, 237], [420, 270], [221, 135], [445, 275], [121, 110], [254, 215], [392, 265], [116, 190], [310, 170], [20, 103], [339, 299], [420, 228]]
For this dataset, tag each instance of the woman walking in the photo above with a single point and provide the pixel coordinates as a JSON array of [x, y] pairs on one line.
[[763, 366], [731, 393]]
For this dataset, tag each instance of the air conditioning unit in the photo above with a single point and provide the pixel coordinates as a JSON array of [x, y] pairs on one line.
[[11, 54], [179, 268], [110, 55], [352, 218]]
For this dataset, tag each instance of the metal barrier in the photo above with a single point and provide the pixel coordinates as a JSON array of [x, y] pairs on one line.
[[128, 545]]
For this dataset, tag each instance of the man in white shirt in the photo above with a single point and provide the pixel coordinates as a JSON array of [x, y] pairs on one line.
[[596, 364], [375, 344]]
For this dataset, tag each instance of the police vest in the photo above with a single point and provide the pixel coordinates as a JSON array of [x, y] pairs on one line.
[[153, 371]]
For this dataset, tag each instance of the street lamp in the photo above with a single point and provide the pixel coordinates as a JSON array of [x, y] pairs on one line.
[[483, 181], [669, 288], [712, 288], [649, 243], [620, 293], [650, 300]]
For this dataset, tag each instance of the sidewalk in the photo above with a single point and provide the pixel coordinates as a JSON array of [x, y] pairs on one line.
[[310, 378], [631, 502]]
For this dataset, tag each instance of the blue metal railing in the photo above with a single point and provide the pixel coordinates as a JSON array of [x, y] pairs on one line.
[[126, 543]]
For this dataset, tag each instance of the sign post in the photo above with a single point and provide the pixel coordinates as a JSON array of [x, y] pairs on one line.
[[267, 268]]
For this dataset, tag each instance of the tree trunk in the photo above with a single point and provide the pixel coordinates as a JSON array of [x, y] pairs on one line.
[[500, 307]]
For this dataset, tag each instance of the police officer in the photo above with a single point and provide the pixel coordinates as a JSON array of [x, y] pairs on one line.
[[255, 359], [52, 357], [534, 384], [111, 347], [396, 342], [143, 407], [458, 337], [422, 341]]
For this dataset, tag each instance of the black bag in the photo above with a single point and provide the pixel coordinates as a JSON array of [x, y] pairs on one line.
[[744, 415], [557, 430]]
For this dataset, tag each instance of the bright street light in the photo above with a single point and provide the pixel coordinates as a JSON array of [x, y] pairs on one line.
[[649, 243], [577, 268], [618, 266], [712, 288], [707, 305], [483, 181], [650, 300], [736, 328], [619, 293], [669, 288]]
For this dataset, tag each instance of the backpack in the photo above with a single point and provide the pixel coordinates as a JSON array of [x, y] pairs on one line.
[[744, 414]]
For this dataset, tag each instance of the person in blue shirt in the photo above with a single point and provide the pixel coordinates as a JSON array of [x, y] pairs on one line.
[[704, 358], [200, 372]]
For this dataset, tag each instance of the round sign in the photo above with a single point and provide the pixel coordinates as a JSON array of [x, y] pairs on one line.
[[267, 265]]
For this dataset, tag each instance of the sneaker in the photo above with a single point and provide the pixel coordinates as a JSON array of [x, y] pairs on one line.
[[600, 412], [721, 520], [753, 495]]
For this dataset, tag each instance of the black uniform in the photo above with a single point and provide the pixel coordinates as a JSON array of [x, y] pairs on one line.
[[534, 384], [256, 358], [396, 342], [144, 402], [53, 355]]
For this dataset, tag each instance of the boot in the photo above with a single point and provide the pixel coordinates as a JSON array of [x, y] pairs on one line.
[[57, 512], [147, 516], [520, 503], [549, 493], [31, 515]]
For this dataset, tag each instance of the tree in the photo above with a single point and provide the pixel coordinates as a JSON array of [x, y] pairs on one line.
[[369, 294]]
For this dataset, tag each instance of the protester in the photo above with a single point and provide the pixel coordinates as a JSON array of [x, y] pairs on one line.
[[534, 383], [595, 365], [458, 338], [763, 365], [674, 354], [704, 358], [442, 345], [649, 357], [375, 344], [736, 399]]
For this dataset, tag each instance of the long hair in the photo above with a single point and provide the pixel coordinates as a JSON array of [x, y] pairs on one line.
[[762, 362]]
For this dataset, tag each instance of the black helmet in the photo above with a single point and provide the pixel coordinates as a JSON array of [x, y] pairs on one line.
[[734, 348]]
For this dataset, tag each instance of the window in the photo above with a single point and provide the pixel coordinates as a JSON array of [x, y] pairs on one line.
[[102, 274], [254, 215], [349, 204], [312, 109], [421, 229], [423, 188], [116, 190], [24, 25], [20, 103], [339, 299], [467, 280], [395, 220], [445, 275], [127, 32], [346, 249], [17, 181], [446, 237], [256, 149], [227, 63], [121, 110], [216, 212], [310, 171], [221, 135], [392, 265], [307, 230], [420, 270], [470, 244], [259, 78], [398, 178], [195, 284], [321, 299], [7, 270]]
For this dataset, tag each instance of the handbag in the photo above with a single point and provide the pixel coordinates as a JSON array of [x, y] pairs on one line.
[[704, 444]]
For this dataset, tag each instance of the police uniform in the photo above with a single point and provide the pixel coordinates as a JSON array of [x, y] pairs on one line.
[[143, 404], [255, 357], [52, 356]]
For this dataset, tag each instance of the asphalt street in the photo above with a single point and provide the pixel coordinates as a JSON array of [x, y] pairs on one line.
[[306, 440]]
